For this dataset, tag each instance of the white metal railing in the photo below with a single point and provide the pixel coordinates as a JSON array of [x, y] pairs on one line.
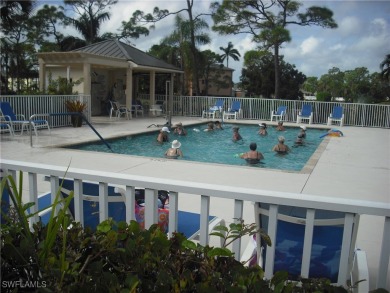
[[204, 191], [365, 115], [46, 104]]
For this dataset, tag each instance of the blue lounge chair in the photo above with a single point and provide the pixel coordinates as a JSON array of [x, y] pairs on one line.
[[234, 111], [337, 115], [318, 245], [305, 114], [214, 110], [188, 223], [280, 113], [19, 119]]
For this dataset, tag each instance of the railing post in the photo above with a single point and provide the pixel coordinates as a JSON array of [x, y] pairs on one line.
[[272, 230], [103, 201], [78, 201], [151, 208], [33, 197], [384, 256], [173, 213], [204, 220], [238, 213], [307, 242], [129, 202], [53, 192]]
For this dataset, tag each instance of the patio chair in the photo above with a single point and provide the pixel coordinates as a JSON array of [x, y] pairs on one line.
[[337, 115], [5, 126], [118, 110], [305, 114], [279, 113], [19, 119], [156, 110], [234, 111], [188, 223], [214, 110], [307, 243]]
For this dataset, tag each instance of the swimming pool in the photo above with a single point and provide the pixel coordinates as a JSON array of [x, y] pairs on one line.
[[218, 147]]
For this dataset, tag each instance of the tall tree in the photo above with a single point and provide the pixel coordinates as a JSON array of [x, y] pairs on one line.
[[181, 39], [267, 22], [229, 51], [91, 14], [258, 72], [211, 71], [10, 10], [16, 50], [193, 20], [385, 67], [46, 22], [332, 83], [357, 84]]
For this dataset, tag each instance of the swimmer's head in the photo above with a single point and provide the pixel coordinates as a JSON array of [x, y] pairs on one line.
[[253, 146]]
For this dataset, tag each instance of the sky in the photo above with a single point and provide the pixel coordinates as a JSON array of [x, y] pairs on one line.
[[362, 38]]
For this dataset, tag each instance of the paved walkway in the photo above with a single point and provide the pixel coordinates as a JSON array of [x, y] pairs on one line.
[[356, 166]]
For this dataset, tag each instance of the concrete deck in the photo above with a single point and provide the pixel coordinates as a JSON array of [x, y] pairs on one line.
[[356, 166]]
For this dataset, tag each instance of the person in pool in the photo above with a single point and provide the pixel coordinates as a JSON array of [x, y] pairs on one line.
[[210, 127], [280, 126], [303, 131], [299, 140], [236, 134], [179, 130], [163, 135], [253, 156], [174, 152], [263, 129], [218, 125], [281, 148]]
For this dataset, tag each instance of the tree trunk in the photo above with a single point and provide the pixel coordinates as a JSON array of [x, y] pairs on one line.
[[277, 71]]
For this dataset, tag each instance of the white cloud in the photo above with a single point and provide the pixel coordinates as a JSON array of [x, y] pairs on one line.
[[310, 45], [349, 25]]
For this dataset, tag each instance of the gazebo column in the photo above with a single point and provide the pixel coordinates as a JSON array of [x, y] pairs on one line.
[[171, 93], [129, 89], [152, 88], [87, 78], [42, 75]]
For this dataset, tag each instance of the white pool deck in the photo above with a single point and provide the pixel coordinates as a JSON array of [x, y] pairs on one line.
[[355, 166]]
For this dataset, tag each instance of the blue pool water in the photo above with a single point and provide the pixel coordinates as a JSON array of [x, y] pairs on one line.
[[218, 147]]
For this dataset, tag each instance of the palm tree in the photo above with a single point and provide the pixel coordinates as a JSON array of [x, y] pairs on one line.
[[89, 24], [180, 38], [91, 15], [385, 67], [229, 52]]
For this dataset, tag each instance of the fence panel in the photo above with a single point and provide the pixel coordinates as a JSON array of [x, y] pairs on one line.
[[364, 115]]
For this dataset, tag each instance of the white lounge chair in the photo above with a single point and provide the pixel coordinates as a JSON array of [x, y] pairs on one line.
[[337, 115], [234, 111], [214, 110], [279, 113]]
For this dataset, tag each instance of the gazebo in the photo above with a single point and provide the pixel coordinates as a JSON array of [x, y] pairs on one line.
[[106, 68]]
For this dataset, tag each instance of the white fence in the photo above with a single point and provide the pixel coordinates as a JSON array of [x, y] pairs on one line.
[[365, 115], [47, 104], [237, 196]]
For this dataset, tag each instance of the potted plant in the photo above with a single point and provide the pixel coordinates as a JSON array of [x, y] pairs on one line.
[[75, 106]]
